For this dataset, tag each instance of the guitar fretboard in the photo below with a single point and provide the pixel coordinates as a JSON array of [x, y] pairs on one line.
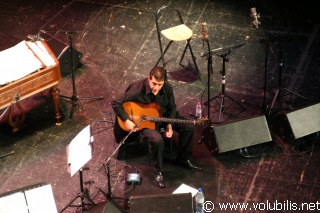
[[169, 120]]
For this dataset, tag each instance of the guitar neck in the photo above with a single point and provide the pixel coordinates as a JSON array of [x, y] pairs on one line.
[[171, 120]]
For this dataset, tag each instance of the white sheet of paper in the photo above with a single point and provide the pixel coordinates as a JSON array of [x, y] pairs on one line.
[[41, 200], [17, 62], [14, 203], [184, 188], [40, 50], [79, 150]]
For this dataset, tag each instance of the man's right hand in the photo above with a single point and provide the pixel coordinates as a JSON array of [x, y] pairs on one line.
[[169, 131], [129, 125]]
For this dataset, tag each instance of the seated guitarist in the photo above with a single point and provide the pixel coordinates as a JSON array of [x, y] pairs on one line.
[[155, 89]]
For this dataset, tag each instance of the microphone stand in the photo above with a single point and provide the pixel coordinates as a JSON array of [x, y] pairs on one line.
[[280, 88], [74, 98], [222, 95], [264, 107], [210, 71], [255, 22], [107, 164]]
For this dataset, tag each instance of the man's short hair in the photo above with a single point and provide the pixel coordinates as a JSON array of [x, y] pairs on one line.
[[159, 73]]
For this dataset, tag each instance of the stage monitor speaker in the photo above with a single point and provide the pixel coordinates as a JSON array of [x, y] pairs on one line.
[[63, 53], [304, 121], [298, 123], [240, 134], [104, 207], [166, 203]]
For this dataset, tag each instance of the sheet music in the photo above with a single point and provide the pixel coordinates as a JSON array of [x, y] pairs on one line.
[[41, 200], [19, 61], [40, 50], [79, 151], [34, 200], [13, 203]]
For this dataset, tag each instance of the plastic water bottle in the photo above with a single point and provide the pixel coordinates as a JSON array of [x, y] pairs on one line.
[[199, 200], [198, 110]]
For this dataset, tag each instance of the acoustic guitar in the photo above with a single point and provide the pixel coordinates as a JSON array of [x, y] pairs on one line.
[[148, 114]]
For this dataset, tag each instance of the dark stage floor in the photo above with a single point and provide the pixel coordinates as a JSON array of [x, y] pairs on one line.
[[248, 155]]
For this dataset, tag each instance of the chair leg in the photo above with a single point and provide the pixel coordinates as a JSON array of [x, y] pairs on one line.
[[184, 52], [188, 45], [162, 54]]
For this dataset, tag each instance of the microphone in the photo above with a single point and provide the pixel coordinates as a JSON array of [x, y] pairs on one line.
[[253, 13], [203, 33], [34, 38], [31, 37]]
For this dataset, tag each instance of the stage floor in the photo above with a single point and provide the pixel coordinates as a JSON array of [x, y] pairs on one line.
[[244, 160]]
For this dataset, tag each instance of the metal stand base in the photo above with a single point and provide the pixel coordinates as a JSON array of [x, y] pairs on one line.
[[74, 99], [281, 42], [223, 97], [83, 195], [278, 96]]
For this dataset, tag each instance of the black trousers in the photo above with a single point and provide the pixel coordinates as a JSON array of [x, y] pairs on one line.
[[156, 143]]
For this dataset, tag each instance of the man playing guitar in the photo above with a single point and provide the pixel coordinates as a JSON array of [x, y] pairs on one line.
[[156, 91]]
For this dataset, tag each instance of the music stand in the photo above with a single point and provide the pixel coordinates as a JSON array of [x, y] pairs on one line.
[[280, 43], [79, 152], [223, 94], [75, 99]]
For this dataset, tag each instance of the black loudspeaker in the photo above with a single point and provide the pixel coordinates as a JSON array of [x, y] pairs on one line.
[[166, 203], [105, 207], [63, 53], [240, 134], [298, 123]]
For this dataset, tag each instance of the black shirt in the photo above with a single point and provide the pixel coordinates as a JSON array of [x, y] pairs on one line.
[[141, 92]]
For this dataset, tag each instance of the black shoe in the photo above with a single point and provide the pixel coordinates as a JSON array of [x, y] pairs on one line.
[[189, 165], [159, 180]]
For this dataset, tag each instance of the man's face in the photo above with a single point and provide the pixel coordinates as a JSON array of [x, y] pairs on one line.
[[155, 85]]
